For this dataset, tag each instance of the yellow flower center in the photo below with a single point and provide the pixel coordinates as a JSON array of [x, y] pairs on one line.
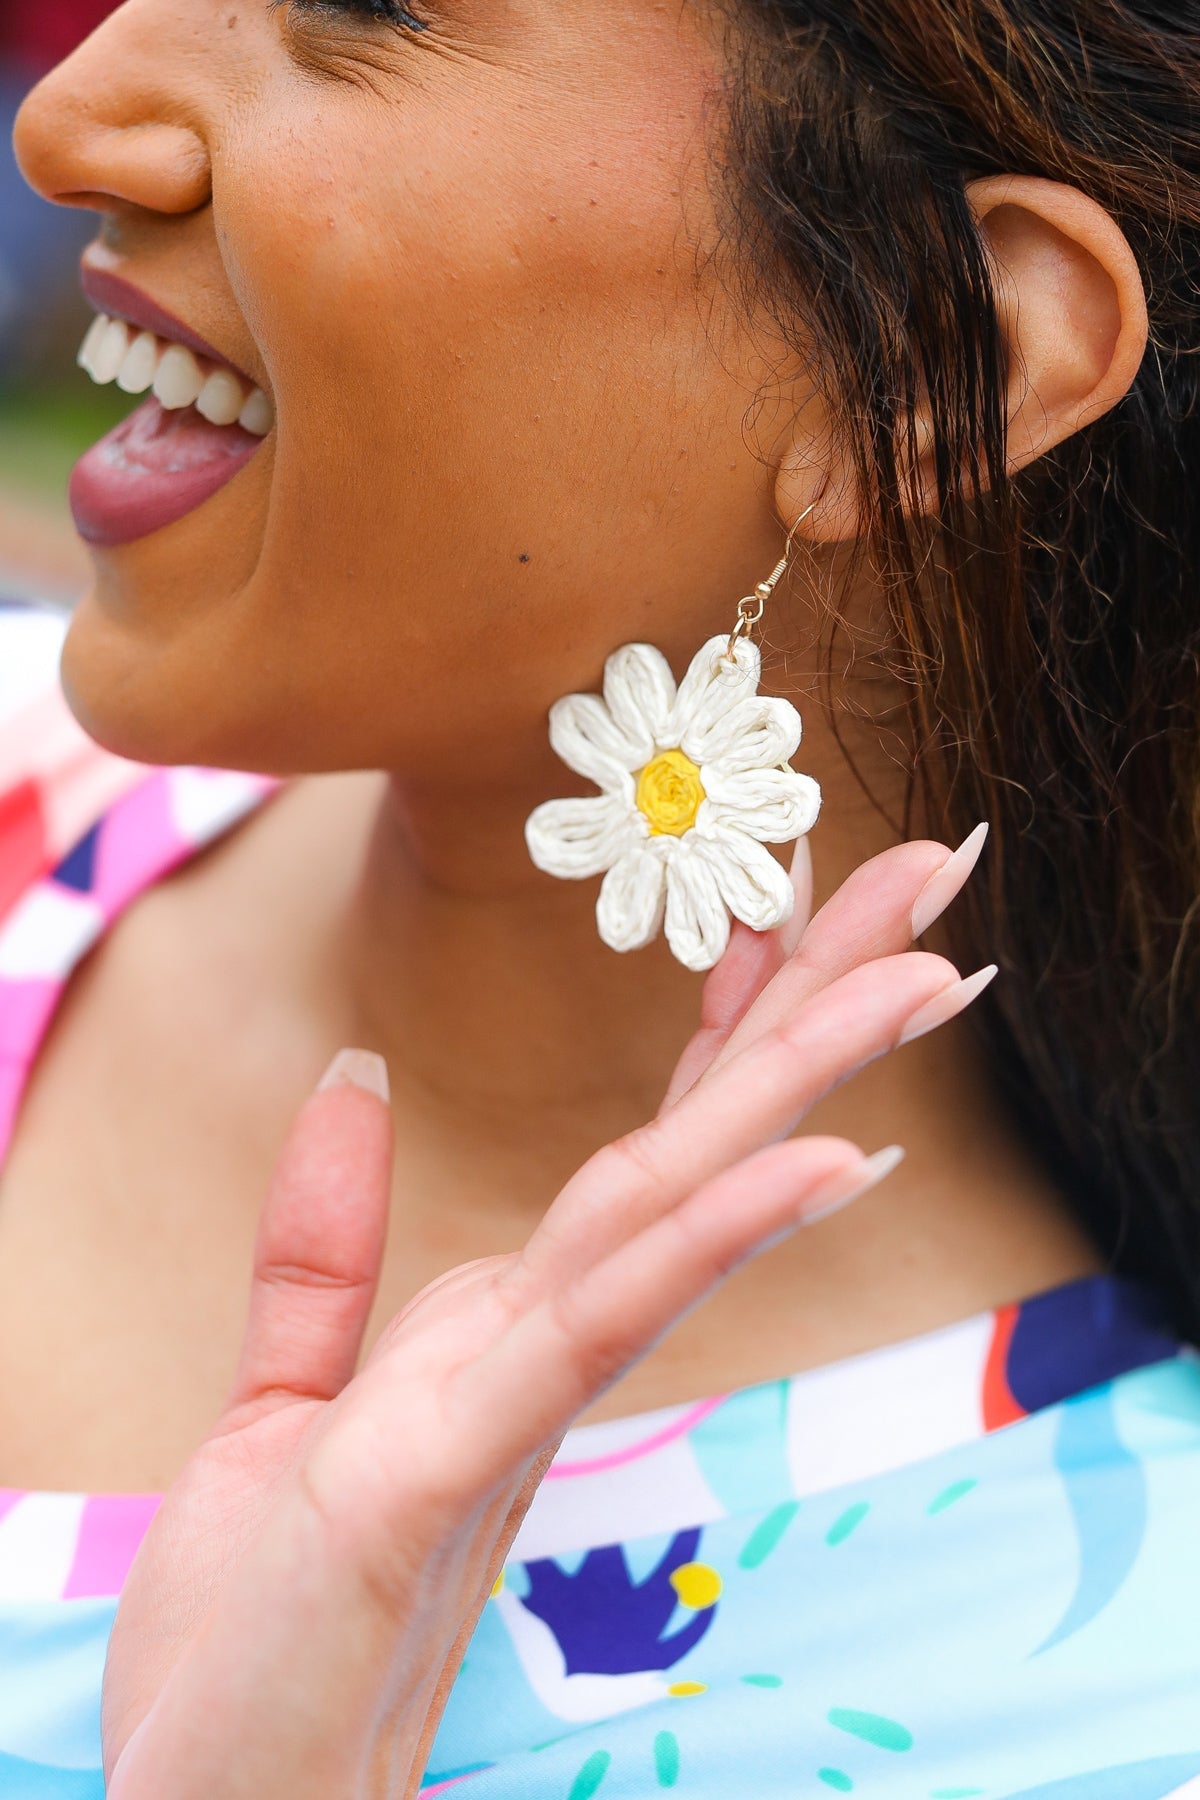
[[669, 792]]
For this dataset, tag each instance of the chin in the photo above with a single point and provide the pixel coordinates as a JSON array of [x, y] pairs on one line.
[[149, 669], [193, 691], [113, 700], [123, 687]]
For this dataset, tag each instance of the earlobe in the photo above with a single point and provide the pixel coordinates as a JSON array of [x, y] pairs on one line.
[[816, 493], [1072, 304]]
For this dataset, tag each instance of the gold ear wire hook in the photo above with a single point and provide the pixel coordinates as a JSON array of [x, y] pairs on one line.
[[752, 608]]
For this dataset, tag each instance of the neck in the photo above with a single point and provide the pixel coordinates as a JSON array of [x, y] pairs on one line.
[[523, 1042]]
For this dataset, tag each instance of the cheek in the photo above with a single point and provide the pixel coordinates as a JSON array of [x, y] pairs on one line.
[[493, 382], [451, 307]]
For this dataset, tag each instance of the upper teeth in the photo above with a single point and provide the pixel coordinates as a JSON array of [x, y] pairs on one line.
[[138, 361]]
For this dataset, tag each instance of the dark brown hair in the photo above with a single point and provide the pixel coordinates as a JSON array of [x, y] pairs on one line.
[[1050, 631]]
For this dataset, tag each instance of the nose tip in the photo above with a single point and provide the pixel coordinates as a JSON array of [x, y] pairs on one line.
[[85, 138]]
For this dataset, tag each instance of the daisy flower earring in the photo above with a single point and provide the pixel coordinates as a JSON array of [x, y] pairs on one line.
[[694, 782]]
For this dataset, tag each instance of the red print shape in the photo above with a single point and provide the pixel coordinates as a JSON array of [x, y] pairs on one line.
[[1000, 1406], [24, 850]]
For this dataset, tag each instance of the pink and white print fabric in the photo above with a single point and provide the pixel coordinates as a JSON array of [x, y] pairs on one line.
[[82, 834]]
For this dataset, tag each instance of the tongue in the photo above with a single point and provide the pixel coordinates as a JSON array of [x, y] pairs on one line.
[[155, 467]]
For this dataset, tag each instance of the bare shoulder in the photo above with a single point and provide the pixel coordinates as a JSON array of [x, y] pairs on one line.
[[148, 1129]]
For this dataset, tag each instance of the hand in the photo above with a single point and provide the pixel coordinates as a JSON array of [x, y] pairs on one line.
[[299, 1611]]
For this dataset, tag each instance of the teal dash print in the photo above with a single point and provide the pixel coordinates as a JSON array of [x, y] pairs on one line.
[[846, 1522], [766, 1535], [588, 1780], [835, 1778], [938, 1504], [666, 1759], [872, 1728]]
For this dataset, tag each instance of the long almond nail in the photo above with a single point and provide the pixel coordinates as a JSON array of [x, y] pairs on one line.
[[360, 1069], [793, 929], [846, 1188], [946, 883], [948, 1004]]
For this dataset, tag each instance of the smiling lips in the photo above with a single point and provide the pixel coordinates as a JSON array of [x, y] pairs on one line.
[[202, 423]]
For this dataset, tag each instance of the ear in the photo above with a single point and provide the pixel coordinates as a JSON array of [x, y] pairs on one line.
[[1072, 306], [1071, 303]]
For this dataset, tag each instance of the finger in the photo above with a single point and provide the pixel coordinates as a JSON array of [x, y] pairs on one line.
[[759, 1095], [752, 960], [467, 1301], [801, 872], [320, 1241], [584, 1336], [870, 916]]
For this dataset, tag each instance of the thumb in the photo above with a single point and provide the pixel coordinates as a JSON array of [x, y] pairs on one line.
[[320, 1241]]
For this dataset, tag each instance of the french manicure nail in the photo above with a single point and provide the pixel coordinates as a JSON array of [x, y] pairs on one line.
[[948, 1004], [846, 1188], [946, 883], [793, 929], [360, 1069]]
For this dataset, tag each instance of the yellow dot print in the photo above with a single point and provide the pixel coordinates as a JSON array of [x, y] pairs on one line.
[[697, 1585]]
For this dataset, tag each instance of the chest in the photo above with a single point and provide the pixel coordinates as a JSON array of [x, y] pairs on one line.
[[178, 1055]]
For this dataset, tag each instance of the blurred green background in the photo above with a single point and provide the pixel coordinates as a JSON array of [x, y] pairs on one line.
[[46, 422], [49, 411]]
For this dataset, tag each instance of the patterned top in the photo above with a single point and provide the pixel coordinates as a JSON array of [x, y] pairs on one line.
[[963, 1565]]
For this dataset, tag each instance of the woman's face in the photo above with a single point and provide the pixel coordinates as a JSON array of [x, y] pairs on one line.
[[473, 261]]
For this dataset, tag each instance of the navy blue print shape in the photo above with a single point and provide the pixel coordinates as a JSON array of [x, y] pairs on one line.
[[604, 1622]]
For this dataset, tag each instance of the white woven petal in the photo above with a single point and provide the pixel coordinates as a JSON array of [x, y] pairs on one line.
[[629, 911], [757, 733], [577, 838], [772, 805], [713, 685], [639, 691], [697, 918], [755, 888], [588, 739]]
